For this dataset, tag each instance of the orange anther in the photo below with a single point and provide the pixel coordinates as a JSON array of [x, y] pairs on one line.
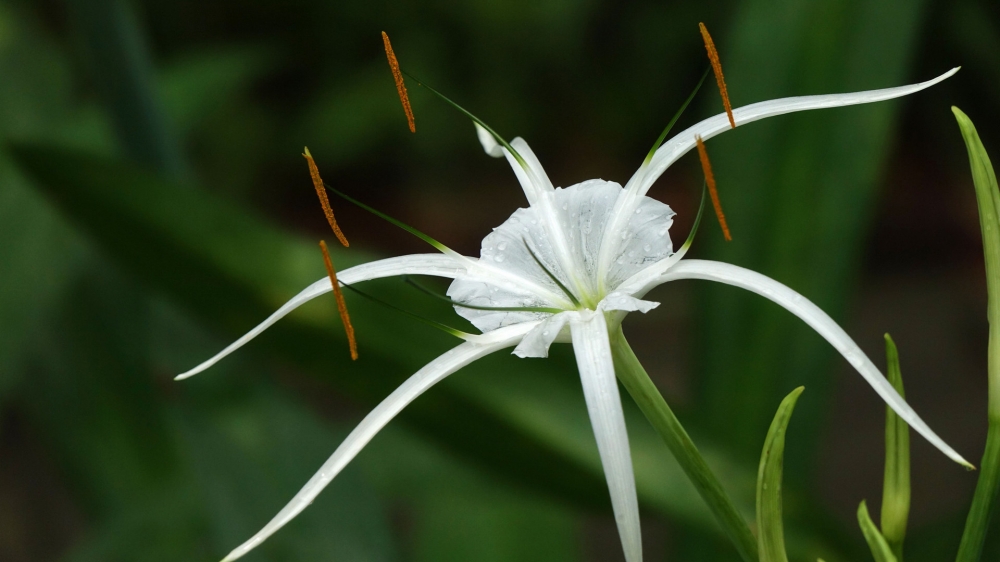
[[706, 167], [713, 57], [400, 86], [341, 304], [324, 201]]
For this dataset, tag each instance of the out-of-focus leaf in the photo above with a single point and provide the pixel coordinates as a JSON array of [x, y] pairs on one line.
[[770, 524], [896, 482], [880, 548], [251, 456], [988, 197], [119, 61], [798, 192]]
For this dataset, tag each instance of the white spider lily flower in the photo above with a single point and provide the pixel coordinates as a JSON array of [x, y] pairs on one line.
[[568, 268]]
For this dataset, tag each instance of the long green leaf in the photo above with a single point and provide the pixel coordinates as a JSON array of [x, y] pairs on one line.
[[896, 482], [988, 198], [876, 542], [770, 526]]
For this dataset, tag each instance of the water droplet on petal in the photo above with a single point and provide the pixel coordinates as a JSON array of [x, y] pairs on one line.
[[502, 246], [637, 211], [499, 258], [647, 248]]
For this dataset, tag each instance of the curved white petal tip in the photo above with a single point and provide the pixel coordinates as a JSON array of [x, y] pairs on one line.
[[489, 143]]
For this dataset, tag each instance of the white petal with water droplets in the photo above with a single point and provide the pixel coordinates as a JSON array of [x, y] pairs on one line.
[[626, 303], [438, 265], [824, 326], [431, 374], [537, 342], [600, 390]]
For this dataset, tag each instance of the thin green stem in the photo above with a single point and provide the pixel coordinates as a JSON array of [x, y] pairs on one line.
[[988, 198], [635, 379], [432, 323], [673, 120]]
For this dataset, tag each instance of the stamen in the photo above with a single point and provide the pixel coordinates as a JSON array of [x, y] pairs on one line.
[[341, 304], [324, 201], [706, 167], [400, 86], [713, 57]]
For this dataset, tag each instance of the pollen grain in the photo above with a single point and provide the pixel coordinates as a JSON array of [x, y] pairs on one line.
[[397, 75], [341, 304], [706, 167], [324, 201], [713, 57]]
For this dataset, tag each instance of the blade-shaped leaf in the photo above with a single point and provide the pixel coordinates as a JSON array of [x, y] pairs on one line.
[[896, 482], [988, 198], [770, 527], [876, 542]]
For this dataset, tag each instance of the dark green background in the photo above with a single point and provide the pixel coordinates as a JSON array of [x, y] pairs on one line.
[[153, 206]]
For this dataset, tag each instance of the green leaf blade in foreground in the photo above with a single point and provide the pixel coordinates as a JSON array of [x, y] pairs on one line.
[[896, 481], [988, 199], [770, 528], [880, 548]]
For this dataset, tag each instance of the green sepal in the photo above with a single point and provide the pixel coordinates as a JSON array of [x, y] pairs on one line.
[[896, 482], [770, 528], [876, 542]]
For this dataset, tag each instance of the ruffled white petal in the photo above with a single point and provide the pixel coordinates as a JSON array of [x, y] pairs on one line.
[[490, 145], [600, 389], [618, 301], [538, 341], [431, 374], [438, 265], [824, 326], [581, 212]]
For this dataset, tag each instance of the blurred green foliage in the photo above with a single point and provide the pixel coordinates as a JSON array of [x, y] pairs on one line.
[[114, 277]]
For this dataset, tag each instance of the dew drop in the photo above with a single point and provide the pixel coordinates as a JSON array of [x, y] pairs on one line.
[[502, 246], [545, 332], [647, 248], [637, 211], [499, 258]]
